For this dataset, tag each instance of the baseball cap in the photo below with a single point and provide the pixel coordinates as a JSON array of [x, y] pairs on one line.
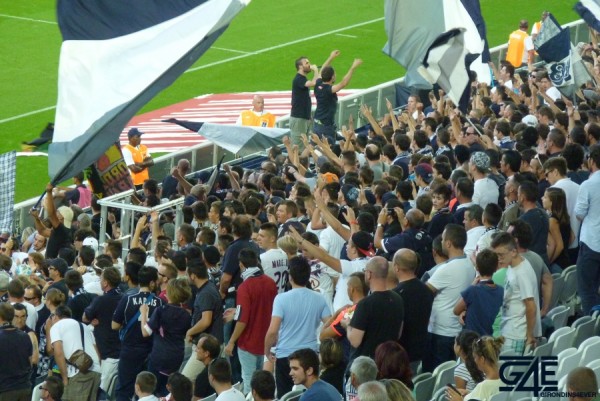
[[480, 160], [350, 193], [134, 132], [424, 171], [67, 214], [91, 242], [363, 241], [530, 120]]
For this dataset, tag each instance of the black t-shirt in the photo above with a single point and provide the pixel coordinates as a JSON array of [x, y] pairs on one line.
[[326, 103], [335, 376], [79, 302], [103, 308], [301, 105], [418, 300], [380, 316], [231, 264], [209, 299], [202, 388], [169, 186], [127, 309], [43, 315], [538, 220], [15, 371], [60, 237]]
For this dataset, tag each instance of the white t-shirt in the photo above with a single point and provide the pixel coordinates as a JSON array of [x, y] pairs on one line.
[[485, 241], [473, 236], [322, 283], [331, 241], [94, 287], [275, 265], [449, 280], [67, 331], [553, 93], [341, 291], [231, 395], [521, 284], [485, 191], [485, 390]]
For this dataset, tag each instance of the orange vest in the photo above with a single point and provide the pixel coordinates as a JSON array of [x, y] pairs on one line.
[[516, 47], [138, 154], [251, 119]]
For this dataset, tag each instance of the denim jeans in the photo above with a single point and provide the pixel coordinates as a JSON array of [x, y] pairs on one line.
[[250, 363], [588, 277]]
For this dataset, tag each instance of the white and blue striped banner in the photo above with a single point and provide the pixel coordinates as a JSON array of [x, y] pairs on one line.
[[116, 55]]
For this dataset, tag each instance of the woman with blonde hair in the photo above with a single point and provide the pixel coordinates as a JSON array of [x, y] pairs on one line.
[[396, 390], [486, 352]]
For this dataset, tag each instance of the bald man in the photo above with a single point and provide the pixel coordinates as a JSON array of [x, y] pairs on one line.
[[256, 116], [378, 318], [418, 300]]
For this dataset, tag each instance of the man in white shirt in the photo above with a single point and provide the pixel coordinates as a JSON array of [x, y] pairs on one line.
[[145, 384], [16, 294], [521, 324], [547, 87], [273, 260], [474, 225], [219, 377], [447, 283], [485, 189]]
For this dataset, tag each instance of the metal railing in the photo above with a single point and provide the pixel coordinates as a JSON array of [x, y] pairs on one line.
[[204, 155]]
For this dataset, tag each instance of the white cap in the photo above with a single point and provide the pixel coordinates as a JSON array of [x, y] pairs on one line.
[[91, 242], [530, 120]]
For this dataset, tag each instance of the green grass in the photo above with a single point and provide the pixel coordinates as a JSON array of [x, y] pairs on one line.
[[28, 67]]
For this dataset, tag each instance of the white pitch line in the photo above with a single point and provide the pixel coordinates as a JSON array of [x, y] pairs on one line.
[[230, 50], [293, 42], [346, 36], [28, 19], [27, 114], [241, 56]]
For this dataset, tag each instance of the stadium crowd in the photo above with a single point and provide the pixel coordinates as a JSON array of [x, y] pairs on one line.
[[344, 264]]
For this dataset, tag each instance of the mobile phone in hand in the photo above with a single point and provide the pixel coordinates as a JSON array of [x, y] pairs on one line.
[[453, 388]]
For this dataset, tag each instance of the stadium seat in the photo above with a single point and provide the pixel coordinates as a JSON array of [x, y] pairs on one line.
[[292, 395], [440, 394], [557, 287], [559, 315], [543, 350], [502, 396], [562, 339], [444, 374], [112, 387], [590, 349], [566, 364], [584, 329], [569, 292], [421, 376], [424, 388], [595, 366]]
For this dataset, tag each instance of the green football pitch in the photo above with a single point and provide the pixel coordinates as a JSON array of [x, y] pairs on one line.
[[256, 53]]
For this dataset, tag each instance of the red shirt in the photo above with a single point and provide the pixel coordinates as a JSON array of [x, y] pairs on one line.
[[255, 298]]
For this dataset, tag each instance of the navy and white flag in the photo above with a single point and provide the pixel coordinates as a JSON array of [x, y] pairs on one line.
[[116, 55], [564, 65], [447, 63], [589, 10], [236, 138], [8, 172], [411, 34]]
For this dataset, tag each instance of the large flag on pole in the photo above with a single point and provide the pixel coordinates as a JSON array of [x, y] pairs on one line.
[[236, 138], [453, 27], [565, 68], [8, 172], [589, 10], [116, 56]]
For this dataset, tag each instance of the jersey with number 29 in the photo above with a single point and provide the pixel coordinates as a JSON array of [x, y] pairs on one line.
[[275, 265]]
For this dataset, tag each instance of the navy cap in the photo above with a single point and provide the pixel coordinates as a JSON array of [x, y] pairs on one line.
[[134, 132]]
